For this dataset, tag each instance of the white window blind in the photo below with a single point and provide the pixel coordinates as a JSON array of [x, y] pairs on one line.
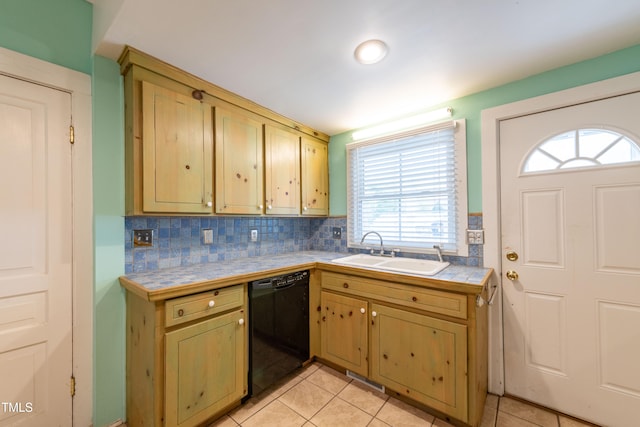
[[407, 188]]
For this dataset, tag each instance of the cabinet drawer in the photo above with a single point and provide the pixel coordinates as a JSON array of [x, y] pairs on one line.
[[448, 303], [185, 309]]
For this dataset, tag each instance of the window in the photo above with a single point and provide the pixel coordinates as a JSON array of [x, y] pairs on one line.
[[581, 148], [411, 188]]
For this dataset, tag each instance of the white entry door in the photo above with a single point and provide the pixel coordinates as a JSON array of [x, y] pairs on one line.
[[570, 218], [35, 255]]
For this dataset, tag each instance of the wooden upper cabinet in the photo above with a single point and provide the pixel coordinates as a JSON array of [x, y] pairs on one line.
[[239, 162], [178, 127], [282, 171], [176, 152], [315, 177]]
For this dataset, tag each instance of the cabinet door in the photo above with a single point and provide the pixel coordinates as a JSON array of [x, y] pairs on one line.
[[282, 171], [343, 332], [420, 357], [206, 369], [315, 177], [177, 152], [238, 145]]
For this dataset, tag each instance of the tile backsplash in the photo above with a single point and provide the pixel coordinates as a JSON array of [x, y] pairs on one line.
[[178, 241]]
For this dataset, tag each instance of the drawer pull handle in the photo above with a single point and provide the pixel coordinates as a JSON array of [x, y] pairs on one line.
[[180, 313], [241, 322], [374, 314], [212, 303], [345, 285], [215, 294], [362, 310], [414, 299]]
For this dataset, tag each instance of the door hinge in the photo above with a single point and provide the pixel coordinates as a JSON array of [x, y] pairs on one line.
[[71, 135], [72, 386]]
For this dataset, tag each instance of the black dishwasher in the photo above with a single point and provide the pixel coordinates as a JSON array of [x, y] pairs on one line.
[[279, 328]]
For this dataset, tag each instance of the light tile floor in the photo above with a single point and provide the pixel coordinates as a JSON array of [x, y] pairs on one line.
[[322, 397]]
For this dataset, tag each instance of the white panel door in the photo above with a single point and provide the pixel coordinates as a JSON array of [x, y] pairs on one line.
[[35, 255], [572, 296]]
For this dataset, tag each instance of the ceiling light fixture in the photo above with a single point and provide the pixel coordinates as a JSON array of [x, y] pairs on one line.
[[404, 124], [370, 51]]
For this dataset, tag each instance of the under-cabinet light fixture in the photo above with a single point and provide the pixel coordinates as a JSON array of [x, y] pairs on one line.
[[405, 124]]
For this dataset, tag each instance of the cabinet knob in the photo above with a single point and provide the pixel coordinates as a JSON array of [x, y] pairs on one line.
[[305, 208], [374, 314], [362, 310], [241, 322], [209, 204], [260, 207], [269, 207], [212, 303]]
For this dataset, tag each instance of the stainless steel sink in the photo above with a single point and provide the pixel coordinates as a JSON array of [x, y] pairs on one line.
[[420, 267]]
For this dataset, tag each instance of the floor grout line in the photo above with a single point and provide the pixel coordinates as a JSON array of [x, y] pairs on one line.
[[517, 412]]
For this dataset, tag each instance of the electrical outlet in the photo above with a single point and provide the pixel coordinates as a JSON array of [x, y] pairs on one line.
[[337, 232], [475, 237], [142, 237], [254, 234], [207, 236]]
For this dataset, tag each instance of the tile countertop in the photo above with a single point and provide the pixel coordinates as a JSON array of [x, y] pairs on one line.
[[178, 281]]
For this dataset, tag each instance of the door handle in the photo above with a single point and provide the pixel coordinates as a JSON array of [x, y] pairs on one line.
[[512, 275], [512, 256]]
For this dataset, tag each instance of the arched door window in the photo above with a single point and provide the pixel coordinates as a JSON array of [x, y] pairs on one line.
[[582, 148]]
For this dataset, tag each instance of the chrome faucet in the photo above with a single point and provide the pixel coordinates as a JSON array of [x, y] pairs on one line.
[[439, 251], [379, 236]]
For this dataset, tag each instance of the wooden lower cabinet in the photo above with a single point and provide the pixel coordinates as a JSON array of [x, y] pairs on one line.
[[343, 331], [404, 341], [420, 357], [204, 369], [187, 357]]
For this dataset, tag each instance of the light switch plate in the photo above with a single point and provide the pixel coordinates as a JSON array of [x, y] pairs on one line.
[[475, 237], [207, 236], [254, 234], [142, 237]]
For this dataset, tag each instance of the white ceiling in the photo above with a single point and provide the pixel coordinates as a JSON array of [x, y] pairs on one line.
[[296, 56]]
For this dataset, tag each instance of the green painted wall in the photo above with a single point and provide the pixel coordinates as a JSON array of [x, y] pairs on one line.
[[108, 206], [59, 31], [612, 65]]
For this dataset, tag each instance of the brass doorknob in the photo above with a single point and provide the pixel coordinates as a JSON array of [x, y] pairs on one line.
[[512, 256], [512, 275]]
